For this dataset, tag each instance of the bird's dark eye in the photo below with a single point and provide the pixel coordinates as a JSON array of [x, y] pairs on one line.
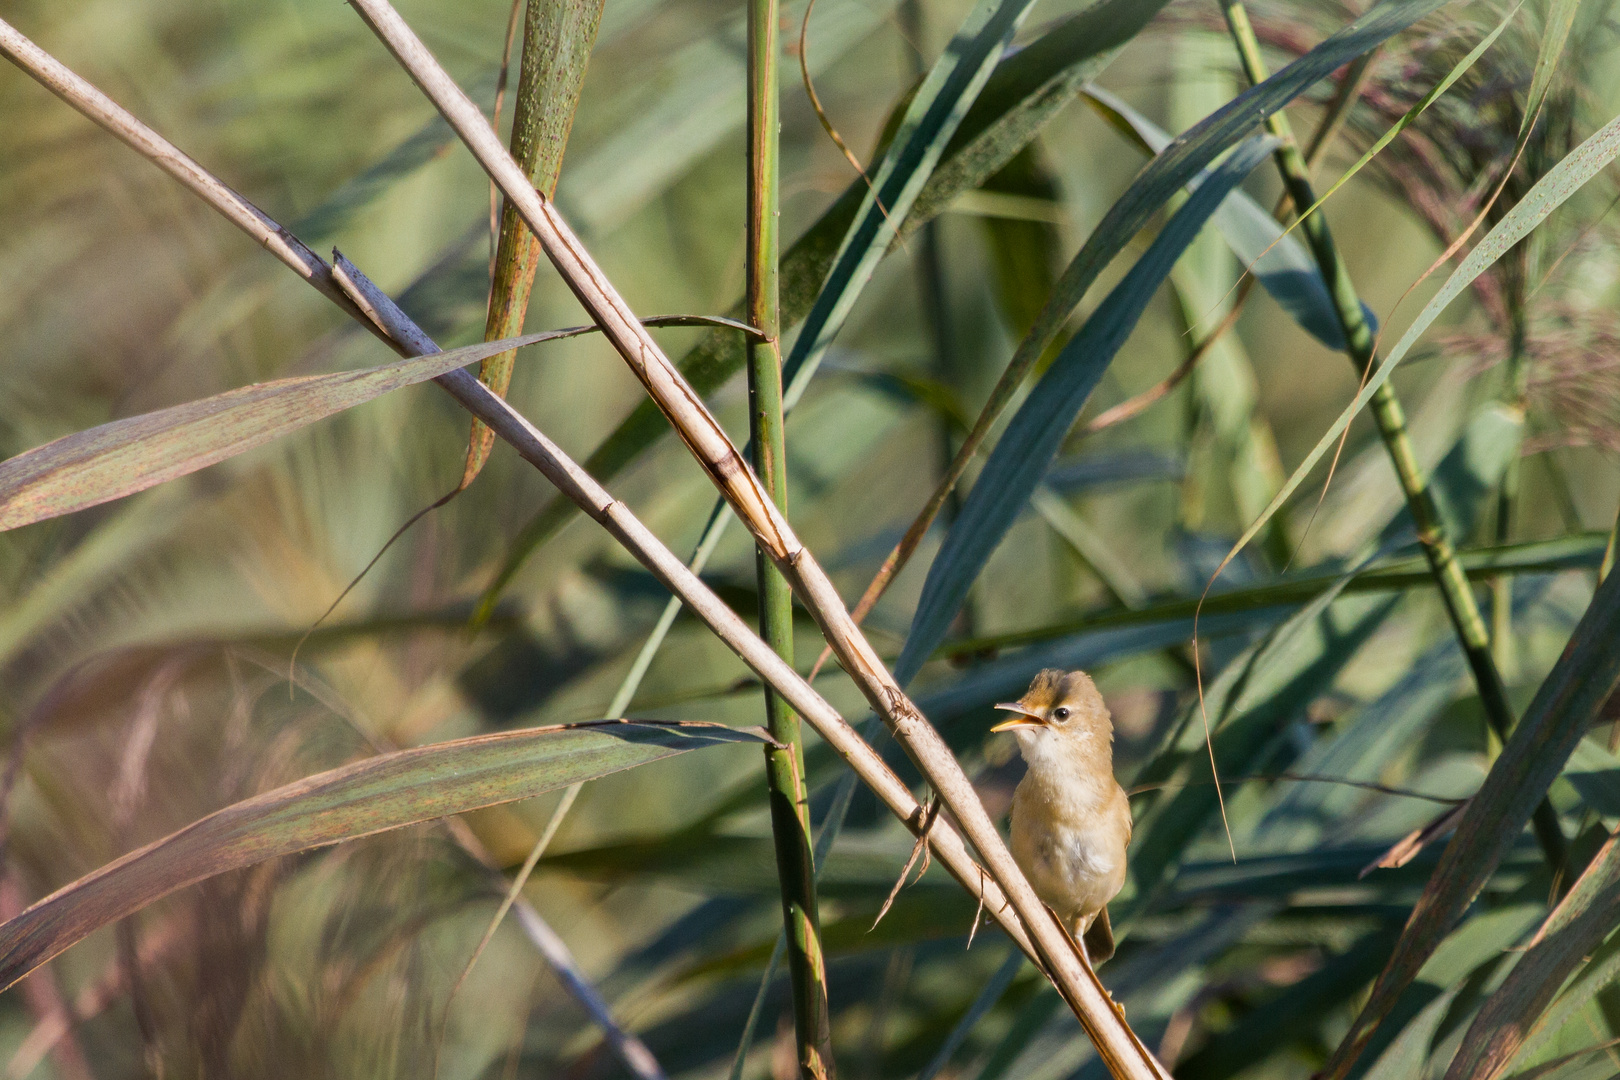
[[1060, 713]]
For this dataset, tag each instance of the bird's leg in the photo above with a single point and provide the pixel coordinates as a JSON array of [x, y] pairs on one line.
[[1085, 958]]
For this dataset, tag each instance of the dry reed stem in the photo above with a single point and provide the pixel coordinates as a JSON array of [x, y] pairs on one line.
[[101, 109], [355, 294], [1124, 1054], [613, 515], [1117, 1045]]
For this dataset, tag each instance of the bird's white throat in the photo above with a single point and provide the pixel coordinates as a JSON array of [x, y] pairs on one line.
[[1065, 752]]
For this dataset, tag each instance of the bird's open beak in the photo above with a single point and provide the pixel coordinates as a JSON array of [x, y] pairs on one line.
[[1025, 718]]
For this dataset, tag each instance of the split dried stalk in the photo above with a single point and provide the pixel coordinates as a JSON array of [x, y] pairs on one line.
[[557, 40]]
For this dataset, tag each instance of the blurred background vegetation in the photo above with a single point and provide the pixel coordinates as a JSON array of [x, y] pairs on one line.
[[144, 644]]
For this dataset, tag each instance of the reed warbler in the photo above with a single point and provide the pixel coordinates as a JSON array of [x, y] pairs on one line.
[[1071, 821]]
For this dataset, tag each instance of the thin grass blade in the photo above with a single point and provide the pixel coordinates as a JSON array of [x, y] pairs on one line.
[[1554, 34]]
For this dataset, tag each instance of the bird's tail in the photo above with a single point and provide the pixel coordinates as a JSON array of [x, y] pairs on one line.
[[1099, 939]]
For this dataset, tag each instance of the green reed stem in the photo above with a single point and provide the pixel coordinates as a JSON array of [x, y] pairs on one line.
[[1460, 602], [790, 807]]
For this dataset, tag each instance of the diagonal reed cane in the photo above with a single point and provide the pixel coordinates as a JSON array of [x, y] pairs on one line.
[[708, 442], [1000, 886]]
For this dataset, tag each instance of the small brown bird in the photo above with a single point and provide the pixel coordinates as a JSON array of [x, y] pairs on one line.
[[1071, 821]]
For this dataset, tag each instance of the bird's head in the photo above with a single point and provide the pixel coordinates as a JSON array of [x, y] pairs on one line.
[[1061, 714]]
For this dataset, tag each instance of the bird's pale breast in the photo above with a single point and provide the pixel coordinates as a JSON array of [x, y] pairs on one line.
[[1068, 843]]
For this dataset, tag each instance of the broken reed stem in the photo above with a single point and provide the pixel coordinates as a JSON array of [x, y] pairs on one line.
[[1461, 605], [1116, 1044], [784, 761]]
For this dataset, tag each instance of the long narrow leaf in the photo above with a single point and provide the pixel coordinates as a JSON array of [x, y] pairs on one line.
[[370, 796], [1402, 1050], [125, 456], [1190, 153], [1576, 926], [1597, 974], [1557, 718], [1025, 91], [1035, 433], [1549, 193], [1279, 262]]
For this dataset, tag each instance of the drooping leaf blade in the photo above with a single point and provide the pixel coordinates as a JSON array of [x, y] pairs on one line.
[[1184, 158], [120, 458], [385, 792], [1036, 432], [1280, 263]]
